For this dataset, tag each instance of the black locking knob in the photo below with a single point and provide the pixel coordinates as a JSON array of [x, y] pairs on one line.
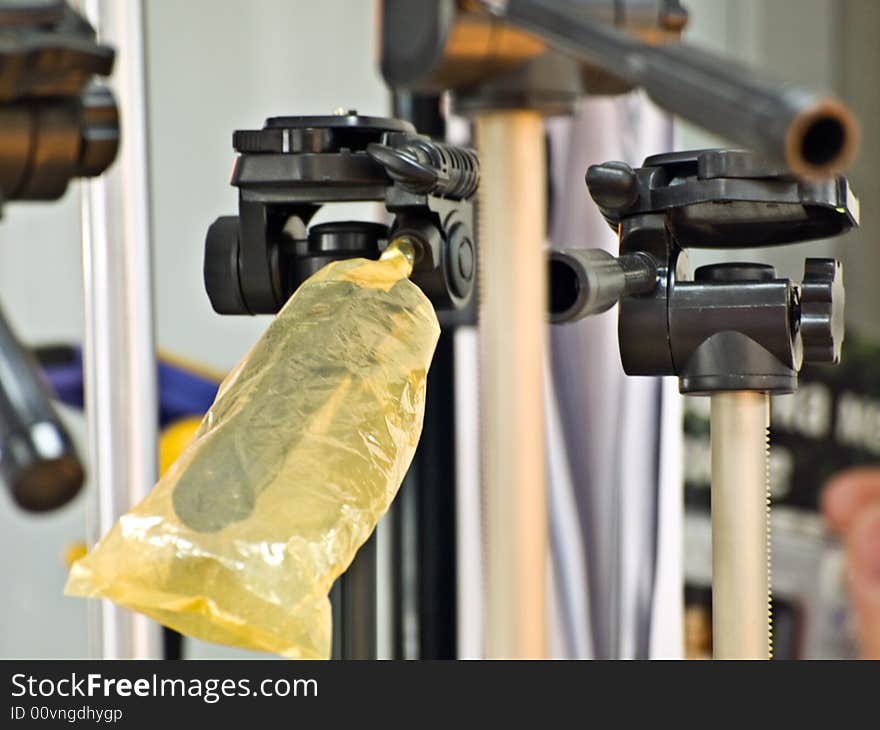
[[822, 307], [221, 272], [613, 185]]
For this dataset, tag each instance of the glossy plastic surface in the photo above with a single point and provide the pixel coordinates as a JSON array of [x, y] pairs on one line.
[[300, 455]]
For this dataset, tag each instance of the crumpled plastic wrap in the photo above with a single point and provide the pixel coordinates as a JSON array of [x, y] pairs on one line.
[[301, 453]]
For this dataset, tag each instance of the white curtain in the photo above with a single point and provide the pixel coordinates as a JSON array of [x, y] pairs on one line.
[[615, 440]]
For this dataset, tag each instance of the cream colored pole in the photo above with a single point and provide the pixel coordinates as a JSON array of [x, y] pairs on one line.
[[512, 330], [740, 526]]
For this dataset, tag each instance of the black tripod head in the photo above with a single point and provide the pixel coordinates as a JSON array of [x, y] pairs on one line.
[[727, 326], [286, 171]]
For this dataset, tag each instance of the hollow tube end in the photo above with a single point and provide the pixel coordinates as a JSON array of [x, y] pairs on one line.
[[822, 140], [567, 290]]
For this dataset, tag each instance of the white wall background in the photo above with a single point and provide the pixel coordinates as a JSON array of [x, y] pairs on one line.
[[220, 65]]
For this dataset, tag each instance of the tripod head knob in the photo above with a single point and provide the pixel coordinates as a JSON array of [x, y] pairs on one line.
[[821, 310]]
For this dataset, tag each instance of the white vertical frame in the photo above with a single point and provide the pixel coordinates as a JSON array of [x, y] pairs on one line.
[[118, 344]]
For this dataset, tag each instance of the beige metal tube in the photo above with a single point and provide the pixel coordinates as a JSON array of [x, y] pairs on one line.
[[740, 526], [512, 312]]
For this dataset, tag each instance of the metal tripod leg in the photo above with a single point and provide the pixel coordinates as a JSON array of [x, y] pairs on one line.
[[423, 514], [118, 348], [740, 525], [353, 599]]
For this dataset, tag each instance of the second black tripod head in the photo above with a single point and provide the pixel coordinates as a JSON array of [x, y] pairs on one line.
[[286, 171], [727, 326]]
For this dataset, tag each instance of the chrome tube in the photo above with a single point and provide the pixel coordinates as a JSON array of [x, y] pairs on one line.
[[118, 346]]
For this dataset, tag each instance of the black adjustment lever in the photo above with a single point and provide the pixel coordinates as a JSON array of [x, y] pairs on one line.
[[428, 167]]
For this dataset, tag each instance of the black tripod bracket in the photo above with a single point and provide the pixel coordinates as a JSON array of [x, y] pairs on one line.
[[727, 326], [286, 171]]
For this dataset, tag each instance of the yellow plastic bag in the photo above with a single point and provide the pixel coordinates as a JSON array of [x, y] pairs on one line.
[[298, 458]]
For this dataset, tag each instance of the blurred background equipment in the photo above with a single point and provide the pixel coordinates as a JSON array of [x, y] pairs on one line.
[[492, 46], [38, 461], [56, 125]]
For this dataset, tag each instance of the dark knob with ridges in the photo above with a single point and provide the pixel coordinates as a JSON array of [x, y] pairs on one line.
[[822, 308]]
